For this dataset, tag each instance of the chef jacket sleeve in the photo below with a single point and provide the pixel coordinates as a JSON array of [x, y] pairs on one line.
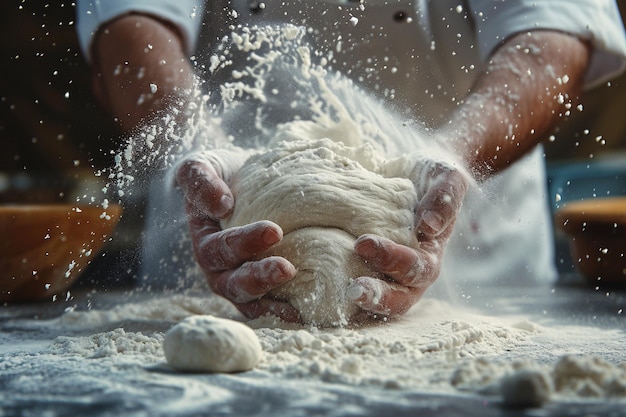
[[186, 15], [596, 21]]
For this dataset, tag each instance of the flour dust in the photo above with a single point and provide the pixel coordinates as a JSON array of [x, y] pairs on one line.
[[436, 348], [262, 85]]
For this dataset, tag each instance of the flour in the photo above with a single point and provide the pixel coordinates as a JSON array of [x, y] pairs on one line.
[[157, 309], [584, 376], [421, 350], [117, 342], [437, 348], [269, 81]]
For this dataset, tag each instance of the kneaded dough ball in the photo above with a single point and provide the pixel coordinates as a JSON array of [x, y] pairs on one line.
[[309, 183], [211, 344], [323, 195]]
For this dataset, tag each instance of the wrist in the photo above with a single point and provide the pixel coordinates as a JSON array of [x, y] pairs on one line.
[[457, 141]]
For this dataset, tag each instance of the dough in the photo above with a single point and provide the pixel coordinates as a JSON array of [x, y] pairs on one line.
[[323, 195], [323, 183], [211, 344], [326, 262]]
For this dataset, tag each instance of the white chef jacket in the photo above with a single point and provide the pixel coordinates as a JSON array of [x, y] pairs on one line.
[[422, 56]]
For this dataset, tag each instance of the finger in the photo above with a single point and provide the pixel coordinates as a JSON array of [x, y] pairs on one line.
[[441, 204], [200, 226], [228, 249], [207, 195], [263, 307], [381, 297], [407, 266], [252, 279]]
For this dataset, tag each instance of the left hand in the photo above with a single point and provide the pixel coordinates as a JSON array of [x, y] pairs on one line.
[[441, 189], [227, 256]]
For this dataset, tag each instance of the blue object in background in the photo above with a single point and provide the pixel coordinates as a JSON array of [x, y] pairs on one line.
[[574, 181]]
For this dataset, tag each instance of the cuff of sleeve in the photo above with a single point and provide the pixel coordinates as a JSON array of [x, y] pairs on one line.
[[186, 15], [597, 22]]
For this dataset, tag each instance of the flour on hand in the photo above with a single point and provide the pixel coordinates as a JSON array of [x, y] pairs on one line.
[[211, 344], [323, 195]]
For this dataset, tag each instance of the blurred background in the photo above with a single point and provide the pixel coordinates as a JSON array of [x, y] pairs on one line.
[[54, 136]]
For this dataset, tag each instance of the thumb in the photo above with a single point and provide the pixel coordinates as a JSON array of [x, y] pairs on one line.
[[201, 178]]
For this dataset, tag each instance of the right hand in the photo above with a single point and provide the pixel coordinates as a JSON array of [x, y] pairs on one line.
[[227, 256], [410, 270]]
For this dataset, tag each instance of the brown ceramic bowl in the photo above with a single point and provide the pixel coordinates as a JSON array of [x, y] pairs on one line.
[[597, 232], [44, 248]]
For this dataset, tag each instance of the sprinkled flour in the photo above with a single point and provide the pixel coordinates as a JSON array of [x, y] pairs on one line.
[[114, 343], [435, 348]]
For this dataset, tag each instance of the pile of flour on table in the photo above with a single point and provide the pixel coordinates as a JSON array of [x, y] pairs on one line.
[[435, 348]]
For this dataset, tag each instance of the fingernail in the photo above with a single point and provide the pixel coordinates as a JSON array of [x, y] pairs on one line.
[[367, 248], [226, 202], [365, 295], [354, 291], [433, 220], [270, 236]]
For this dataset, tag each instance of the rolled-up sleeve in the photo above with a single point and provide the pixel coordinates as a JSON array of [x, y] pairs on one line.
[[186, 15], [596, 21]]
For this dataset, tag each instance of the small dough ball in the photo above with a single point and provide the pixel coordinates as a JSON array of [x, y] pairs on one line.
[[526, 388], [211, 344]]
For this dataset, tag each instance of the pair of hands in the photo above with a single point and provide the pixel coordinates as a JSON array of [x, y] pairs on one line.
[[226, 256]]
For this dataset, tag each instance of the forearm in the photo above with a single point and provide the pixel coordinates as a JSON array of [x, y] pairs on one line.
[[139, 68], [530, 83]]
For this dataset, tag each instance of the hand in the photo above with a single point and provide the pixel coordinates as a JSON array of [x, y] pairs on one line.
[[410, 271], [225, 256]]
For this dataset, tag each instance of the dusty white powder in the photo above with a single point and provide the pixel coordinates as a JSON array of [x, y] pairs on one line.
[[113, 343], [421, 350], [159, 309], [435, 348]]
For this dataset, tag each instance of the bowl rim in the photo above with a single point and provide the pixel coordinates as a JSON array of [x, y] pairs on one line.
[[596, 215], [16, 208]]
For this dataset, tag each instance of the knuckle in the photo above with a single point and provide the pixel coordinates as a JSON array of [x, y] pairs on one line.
[[251, 280], [236, 292], [215, 253], [266, 273], [423, 271], [186, 172]]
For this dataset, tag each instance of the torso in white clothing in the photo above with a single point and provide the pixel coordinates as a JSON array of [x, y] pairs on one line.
[[398, 51], [421, 56], [391, 47]]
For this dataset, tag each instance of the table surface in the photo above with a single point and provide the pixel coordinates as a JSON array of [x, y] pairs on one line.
[[60, 392]]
